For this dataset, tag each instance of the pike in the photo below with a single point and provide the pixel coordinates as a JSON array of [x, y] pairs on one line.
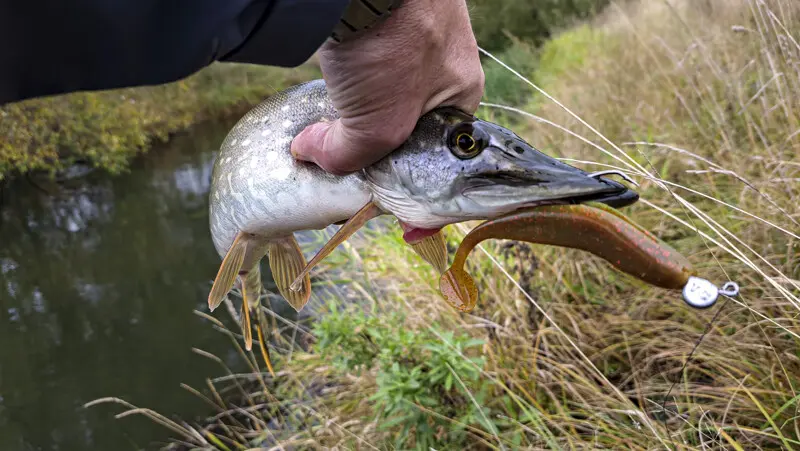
[[453, 168]]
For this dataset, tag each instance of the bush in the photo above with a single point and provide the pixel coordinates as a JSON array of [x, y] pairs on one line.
[[417, 372], [531, 20], [504, 87]]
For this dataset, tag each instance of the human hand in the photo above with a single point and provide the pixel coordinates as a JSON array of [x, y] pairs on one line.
[[422, 57]]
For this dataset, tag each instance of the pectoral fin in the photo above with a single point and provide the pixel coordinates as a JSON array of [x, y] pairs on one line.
[[286, 261], [358, 220], [433, 249], [228, 271]]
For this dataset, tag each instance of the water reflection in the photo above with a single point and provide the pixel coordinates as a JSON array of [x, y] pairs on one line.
[[98, 280]]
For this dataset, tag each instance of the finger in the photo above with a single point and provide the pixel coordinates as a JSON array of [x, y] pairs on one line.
[[341, 150]]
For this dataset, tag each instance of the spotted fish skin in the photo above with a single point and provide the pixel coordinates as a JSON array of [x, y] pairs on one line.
[[452, 168], [258, 187]]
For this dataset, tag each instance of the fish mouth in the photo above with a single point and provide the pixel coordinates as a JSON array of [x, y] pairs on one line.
[[512, 191], [620, 200], [621, 197]]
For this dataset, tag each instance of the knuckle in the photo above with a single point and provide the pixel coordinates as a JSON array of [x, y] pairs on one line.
[[429, 24]]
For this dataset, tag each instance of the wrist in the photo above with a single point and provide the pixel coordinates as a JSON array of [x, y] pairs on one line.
[[362, 15]]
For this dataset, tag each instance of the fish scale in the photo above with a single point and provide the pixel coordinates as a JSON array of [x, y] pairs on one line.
[[285, 190]]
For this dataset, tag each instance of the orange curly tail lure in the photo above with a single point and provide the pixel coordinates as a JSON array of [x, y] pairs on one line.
[[592, 227]]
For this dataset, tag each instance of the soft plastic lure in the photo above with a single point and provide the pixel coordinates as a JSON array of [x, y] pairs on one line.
[[591, 227]]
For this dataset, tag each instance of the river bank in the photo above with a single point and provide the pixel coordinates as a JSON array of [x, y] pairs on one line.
[[105, 130]]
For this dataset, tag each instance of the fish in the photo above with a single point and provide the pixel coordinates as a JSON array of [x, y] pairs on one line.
[[593, 227], [454, 167]]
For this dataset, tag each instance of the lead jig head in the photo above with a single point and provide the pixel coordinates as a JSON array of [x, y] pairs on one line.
[[700, 293]]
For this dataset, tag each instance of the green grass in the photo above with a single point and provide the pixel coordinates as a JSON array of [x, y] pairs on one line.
[[105, 129], [498, 23], [562, 351]]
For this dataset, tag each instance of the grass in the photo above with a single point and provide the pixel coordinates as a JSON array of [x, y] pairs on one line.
[[106, 129], [699, 102]]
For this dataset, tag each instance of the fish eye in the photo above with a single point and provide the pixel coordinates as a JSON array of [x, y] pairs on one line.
[[466, 142]]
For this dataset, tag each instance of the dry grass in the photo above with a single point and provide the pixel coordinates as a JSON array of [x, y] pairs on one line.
[[699, 101]]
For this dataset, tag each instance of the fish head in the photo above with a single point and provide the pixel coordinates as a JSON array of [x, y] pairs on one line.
[[455, 167]]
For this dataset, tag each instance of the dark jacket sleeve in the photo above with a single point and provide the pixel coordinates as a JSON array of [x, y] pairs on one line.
[[55, 46]]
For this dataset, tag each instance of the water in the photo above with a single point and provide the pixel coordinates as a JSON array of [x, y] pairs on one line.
[[98, 280]]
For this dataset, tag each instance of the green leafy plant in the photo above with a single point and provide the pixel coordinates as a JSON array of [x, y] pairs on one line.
[[428, 387]]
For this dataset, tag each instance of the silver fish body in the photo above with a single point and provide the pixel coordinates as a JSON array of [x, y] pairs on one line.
[[453, 168], [259, 188]]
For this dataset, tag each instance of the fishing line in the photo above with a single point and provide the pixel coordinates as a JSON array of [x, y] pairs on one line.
[[727, 288], [683, 368]]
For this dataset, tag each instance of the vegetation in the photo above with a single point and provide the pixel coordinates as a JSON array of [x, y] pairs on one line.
[[699, 102], [497, 23], [106, 129]]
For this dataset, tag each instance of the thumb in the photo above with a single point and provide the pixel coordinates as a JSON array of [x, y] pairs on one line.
[[339, 150]]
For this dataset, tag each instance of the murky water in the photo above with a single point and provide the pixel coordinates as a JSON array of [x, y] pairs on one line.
[[98, 280]]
